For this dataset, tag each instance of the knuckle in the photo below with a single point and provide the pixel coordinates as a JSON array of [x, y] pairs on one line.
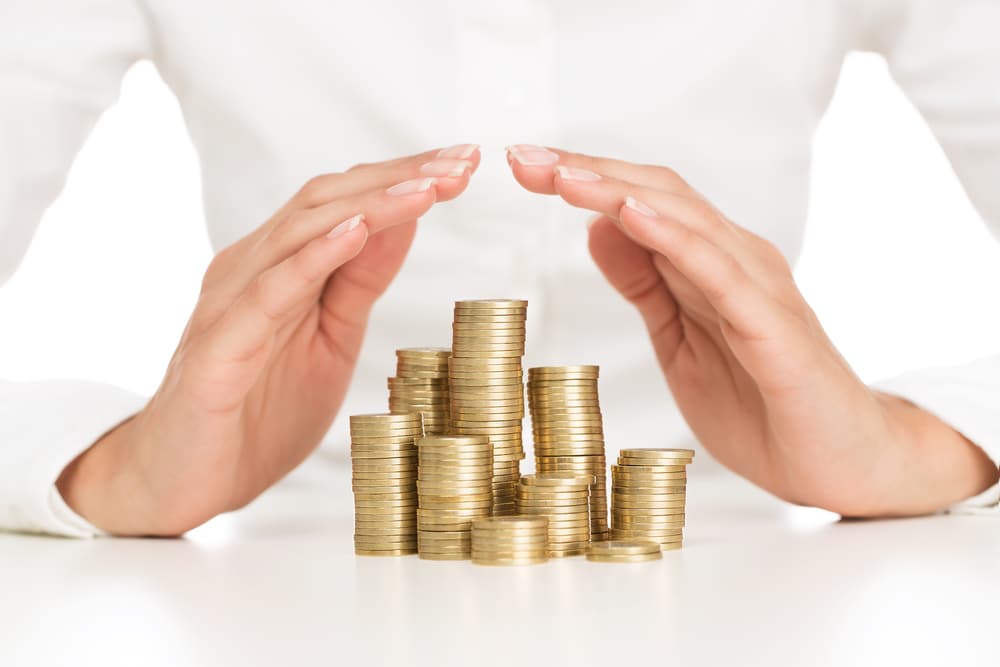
[[258, 294], [668, 175], [312, 191], [216, 268]]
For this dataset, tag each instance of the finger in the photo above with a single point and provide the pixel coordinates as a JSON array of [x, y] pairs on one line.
[[445, 163], [743, 305], [534, 168], [382, 209], [349, 294], [450, 165], [630, 270], [234, 350], [607, 195]]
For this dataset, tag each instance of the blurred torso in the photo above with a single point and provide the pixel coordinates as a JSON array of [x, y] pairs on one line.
[[729, 93]]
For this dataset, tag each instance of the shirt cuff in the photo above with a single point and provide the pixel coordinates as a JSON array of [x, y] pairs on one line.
[[965, 397], [44, 426]]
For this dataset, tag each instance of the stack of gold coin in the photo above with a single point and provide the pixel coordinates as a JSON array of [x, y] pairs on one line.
[[565, 500], [648, 495], [384, 459], [454, 488], [569, 431], [421, 385], [616, 551], [510, 540], [486, 386], [423, 362]]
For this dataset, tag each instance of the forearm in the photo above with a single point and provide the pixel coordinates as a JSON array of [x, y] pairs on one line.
[[924, 466]]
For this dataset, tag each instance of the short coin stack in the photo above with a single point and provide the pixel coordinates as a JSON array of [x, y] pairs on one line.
[[616, 551], [486, 386], [569, 431], [421, 385], [384, 461], [565, 500], [510, 540], [648, 492], [454, 488]]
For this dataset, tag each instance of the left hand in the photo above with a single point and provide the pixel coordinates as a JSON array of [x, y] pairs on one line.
[[756, 377]]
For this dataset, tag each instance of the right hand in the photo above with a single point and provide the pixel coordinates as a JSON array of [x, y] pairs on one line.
[[266, 357]]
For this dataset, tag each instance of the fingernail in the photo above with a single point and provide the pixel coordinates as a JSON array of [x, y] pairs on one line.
[[639, 207], [575, 174], [412, 186], [532, 156], [449, 168], [348, 225], [459, 151]]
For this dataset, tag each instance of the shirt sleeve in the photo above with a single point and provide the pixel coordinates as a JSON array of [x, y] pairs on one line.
[[946, 58], [61, 65]]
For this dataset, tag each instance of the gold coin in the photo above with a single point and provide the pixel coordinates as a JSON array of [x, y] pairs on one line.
[[384, 552], [596, 461], [457, 470], [638, 507], [453, 478], [509, 561], [633, 558], [484, 422], [658, 454], [491, 304], [383, 418], [491, 555], [452, 441], [385, 495], [522, 526], [368, 469], [589, 370], [562, 481], [388, 430], [378, 542]]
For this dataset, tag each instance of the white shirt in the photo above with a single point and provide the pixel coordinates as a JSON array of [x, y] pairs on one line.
[[729, 93]]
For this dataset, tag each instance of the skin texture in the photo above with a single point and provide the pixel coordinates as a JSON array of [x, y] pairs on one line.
[[266, 358], [756, 377], [267, 355]]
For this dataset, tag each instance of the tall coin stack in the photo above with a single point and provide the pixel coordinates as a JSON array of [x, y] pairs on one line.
[[454, 488], [648, 495], [565, 500], [510, 540], [486, 386], [421, 385], [569, 431], [384, 462]]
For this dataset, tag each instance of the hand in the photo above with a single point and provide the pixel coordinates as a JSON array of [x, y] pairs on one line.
[[266, 357], [756, 377]]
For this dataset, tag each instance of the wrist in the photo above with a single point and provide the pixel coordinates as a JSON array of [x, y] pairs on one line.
[[90, 485], [937, 466]]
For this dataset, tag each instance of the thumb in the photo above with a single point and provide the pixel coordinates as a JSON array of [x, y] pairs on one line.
[[351, 292]]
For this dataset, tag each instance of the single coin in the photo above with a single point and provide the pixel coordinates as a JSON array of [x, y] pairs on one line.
[[451, 440], [384, 552], [559, 481], [630, 558], [657, 454], [383, 418], [589, 369]]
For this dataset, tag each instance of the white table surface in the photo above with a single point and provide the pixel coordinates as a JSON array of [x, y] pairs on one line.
[[758, 582]]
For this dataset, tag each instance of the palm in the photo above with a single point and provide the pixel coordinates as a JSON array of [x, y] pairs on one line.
[[305, 376], [719, 399]]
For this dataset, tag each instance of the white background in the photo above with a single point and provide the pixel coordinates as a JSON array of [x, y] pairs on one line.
[[897, 262]]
